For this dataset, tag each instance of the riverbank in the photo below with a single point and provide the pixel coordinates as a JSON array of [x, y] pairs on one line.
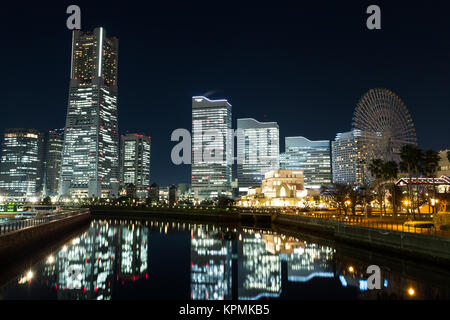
[[411, 245], [191, 215], [35, 236]]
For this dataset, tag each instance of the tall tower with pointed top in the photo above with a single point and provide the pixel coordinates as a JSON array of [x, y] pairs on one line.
[[90, 164]]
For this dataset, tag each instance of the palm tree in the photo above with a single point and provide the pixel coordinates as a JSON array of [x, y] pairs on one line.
[[384, 172], [411, 159], [430, 165], [390, 172], [376, 168]]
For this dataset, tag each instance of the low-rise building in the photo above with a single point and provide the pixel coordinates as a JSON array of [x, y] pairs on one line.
[[279, 188]]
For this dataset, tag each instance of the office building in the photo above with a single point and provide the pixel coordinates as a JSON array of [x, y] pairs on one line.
[[212, 152], [90, 162], [257, 151], [135, 162], [153, 193], [21, 166], [347, 162], [312, 157], [173, 195], [53, 153]]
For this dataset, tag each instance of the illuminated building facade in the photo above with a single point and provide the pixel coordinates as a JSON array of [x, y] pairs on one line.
[[85, 267], [133, 252], [259, 271], [279, 188], [212, 152], [21, 167], [211, 266], [90, 164], [257, 151], [135, 162], [348, 165], [310, 261], [313, 157], [53, 152]]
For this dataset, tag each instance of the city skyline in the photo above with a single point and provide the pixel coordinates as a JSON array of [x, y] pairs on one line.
[[244, 152], [293, 100]]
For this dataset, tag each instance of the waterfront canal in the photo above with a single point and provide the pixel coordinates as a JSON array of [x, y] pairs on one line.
[[140, 259]]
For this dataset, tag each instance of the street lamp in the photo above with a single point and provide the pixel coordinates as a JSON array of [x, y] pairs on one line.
[[406, 203]]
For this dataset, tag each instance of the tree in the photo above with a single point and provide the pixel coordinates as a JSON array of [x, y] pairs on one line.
[[224, 202], [355, 198], [47, 201], [430, 165], [448, 155], [411, 160], [394, 198], [390, 173], [377, 168], [339, 193]]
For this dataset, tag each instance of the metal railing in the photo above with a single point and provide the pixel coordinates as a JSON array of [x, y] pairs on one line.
[[388, 224], [18, 224]]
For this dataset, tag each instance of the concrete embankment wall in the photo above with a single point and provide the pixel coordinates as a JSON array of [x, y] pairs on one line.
[[33, 237], [417, 246]]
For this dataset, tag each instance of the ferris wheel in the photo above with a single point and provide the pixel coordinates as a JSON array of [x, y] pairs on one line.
[[384, 125]]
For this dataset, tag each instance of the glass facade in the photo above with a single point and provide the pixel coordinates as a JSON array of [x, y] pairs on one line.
[[135, 162], [212, 152], [90, 164], [347, 158], [313, 157], [257, 151], [53, 152], [21, 164]]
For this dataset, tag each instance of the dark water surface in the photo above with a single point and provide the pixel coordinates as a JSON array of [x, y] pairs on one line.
[[128, 259]]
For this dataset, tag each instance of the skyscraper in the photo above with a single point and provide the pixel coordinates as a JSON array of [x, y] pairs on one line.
[[313, 157], [135, 162], [53, 152], [90, 164], [348, 165], [212, 152], [21, 164], [257, 151]]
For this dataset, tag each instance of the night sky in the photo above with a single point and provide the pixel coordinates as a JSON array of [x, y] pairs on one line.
[[302, 64]]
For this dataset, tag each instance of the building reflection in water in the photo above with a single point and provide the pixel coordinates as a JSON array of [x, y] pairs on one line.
[[225, 264], [89, 266], [211, 265], [259, 270], [259, 263]]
